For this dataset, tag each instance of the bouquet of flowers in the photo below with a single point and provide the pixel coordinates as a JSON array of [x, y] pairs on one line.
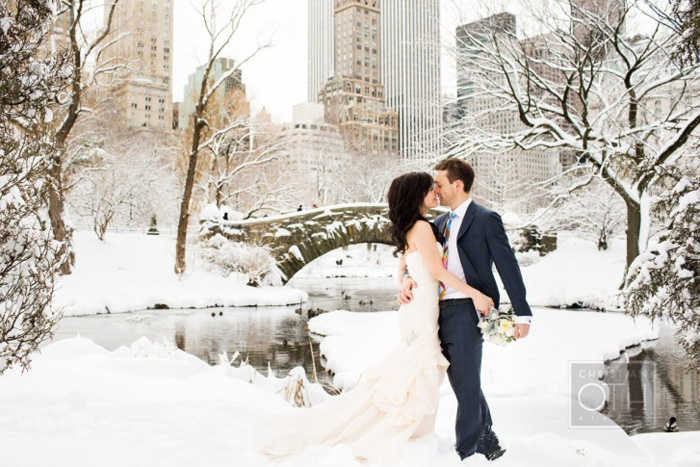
[[499, 327]]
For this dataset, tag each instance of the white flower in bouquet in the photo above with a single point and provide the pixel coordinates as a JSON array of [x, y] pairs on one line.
[[499, 327]]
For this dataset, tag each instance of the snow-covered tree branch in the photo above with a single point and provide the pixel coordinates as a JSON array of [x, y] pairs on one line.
[[589, 86], [30, 80], [219, 39], [82, 48], [664, 281]]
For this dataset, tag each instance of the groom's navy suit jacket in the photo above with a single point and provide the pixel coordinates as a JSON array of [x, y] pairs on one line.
[[481, 242]]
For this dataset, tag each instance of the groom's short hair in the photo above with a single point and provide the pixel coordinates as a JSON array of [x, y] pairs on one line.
[[457, 169]]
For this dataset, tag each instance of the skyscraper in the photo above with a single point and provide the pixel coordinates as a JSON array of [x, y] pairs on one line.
[[320, 45], [143, 92], [506, 180], [410, 71], [354, 98], [409, 57], [194, 83]]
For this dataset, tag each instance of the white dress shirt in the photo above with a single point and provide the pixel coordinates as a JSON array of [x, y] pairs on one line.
[[454, 265]]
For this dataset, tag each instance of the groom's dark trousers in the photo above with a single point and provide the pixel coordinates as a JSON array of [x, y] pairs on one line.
[[481, 243], [462, 345]]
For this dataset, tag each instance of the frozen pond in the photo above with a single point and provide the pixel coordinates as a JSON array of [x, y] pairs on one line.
[[274, 335]]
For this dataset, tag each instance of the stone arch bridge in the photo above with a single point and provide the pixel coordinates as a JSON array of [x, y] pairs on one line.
[[298, 238]]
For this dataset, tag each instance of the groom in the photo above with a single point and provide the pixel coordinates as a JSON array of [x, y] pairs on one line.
[[476, 240]]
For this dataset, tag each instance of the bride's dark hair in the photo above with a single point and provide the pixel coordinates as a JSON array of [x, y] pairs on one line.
[[405, 197]]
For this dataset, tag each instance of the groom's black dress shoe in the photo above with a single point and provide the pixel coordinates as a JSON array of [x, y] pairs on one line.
[[495, 454], [488, 444]]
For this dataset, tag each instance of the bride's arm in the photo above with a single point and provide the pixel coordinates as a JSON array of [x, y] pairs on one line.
[[425, 244]]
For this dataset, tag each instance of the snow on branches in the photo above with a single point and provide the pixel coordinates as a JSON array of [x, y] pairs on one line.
[[664, 281], [588, 83], [252, 264], [29, 79]]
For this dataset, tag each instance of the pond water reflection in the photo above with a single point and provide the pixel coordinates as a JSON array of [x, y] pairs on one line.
[[279, 336], [274, 335], [649, 384]]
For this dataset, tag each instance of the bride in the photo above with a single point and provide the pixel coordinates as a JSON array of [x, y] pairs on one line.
[[397, 398]]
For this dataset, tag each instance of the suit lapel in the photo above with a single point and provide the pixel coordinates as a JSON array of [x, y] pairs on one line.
[[468, 218], [440, 222]]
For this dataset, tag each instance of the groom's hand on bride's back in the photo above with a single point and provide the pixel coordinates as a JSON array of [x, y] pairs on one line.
[[406, 290]]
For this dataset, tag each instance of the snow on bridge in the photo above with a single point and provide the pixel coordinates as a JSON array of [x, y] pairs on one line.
[[298, 238]]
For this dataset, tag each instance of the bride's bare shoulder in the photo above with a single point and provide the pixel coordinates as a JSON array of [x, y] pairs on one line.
[[420, 229]]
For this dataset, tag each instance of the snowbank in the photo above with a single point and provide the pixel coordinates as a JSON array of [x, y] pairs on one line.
[[681, 448], [153, 405], [577, 274], [130, 272], [534, 366]]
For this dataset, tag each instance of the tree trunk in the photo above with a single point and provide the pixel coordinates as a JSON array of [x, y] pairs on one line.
[[634, 222], [61, 232], [181, 243], [603, 240]]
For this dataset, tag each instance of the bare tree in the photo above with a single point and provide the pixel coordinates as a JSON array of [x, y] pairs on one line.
[[327, 163], [239, 166], [505, 183], [219, 39], [594, 212], [365, 178], [30, 80], [586, 86], [82, 48], [120, 181]]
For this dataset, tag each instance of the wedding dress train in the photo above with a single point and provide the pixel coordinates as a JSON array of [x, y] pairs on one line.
[[395, 400]]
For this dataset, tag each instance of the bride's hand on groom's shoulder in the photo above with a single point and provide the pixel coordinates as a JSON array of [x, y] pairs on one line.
[[406, 290]]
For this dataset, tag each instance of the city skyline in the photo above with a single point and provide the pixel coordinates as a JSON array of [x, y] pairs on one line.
[[289, 20], [408, 66]]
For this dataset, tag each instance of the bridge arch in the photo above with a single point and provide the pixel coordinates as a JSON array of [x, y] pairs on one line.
[[298, 238]]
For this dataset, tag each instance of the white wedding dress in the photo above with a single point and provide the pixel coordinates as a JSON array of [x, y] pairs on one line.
[[396, 399]]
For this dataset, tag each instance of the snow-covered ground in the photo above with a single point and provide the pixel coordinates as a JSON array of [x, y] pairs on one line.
[[576, 273], [130, 272], [538, 365], [153, 405]]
